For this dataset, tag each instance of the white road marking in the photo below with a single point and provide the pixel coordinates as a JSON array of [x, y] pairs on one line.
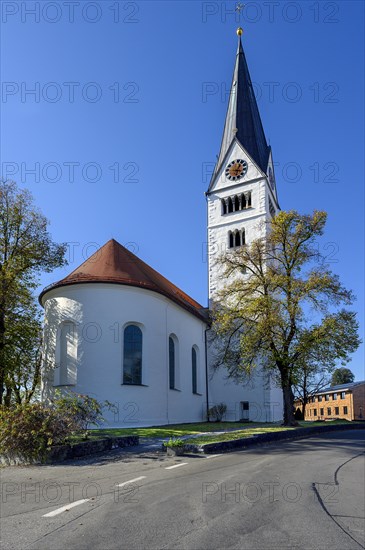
[[65, 508], [176, 466], [131, 481], [211, 456]]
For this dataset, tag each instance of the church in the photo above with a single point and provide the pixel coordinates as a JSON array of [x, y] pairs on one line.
[[118, 330]]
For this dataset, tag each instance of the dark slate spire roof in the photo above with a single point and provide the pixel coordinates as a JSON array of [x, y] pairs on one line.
[[243, 120], [113, 263]]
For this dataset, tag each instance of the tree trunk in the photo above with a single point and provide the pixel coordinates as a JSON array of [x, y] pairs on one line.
[[288, 397]]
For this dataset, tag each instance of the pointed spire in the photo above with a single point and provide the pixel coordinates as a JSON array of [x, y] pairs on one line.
[[243, 120]]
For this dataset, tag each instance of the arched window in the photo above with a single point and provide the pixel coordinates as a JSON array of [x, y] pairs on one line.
[[243, 239], [224, 206], [237, 238], [248, 197], [230, 205], [194, 370], [172, 363], [230, 240], [132, 357], [66, 355], [243, 199], [236, 204]]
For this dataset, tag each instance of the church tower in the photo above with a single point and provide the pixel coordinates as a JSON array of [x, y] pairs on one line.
[[242, 192], [241, 196]]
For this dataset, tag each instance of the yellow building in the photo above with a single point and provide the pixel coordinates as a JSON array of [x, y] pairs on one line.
[[345, 401]]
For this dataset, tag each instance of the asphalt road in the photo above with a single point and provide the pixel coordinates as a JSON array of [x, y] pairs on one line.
[[305, 494]]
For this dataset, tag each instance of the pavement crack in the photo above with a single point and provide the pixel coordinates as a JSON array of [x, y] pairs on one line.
[[323, 505]]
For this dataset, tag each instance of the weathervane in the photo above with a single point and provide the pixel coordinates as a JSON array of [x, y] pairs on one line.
[[239, 8]]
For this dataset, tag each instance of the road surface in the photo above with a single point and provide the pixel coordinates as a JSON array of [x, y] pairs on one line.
[[305, 494]]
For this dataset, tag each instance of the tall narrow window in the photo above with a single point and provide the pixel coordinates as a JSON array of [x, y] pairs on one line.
[[132, 359], [231, 239], [224, 206], [237, 239], [236, 204], [243, 237], [194, 370], [172, 363], [243, 199], [249, 202], [66, 355], [230, 205]]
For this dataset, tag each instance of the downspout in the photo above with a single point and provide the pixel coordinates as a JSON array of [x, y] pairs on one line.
[[206, 372]]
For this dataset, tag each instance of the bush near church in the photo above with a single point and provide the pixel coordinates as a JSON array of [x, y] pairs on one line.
[[217, 412], [29, 431]]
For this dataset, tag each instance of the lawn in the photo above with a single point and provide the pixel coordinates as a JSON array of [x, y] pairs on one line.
[[174, 430], [242, 429]]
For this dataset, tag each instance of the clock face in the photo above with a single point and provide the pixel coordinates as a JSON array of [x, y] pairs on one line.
[[236, 169]]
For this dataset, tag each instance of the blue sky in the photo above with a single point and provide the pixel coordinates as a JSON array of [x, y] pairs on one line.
[[128, 111]]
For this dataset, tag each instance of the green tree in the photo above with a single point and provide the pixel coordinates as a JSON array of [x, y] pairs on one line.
[[22, 353], [279, 307], [342, 376], [26, 250]]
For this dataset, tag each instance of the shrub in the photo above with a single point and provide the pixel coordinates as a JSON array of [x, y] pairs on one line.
[[174, 442], [29, 431], [82, 411], [217, 412]]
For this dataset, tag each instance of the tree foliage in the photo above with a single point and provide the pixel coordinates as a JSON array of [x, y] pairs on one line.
[[26, 250], [281, 307], [342, 376], [30, 430]]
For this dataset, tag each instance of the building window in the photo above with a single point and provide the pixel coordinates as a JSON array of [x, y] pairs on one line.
[[329, 411], [172, 363], [327, 397], [236, 238], [337, 411], [345, 410], [334, 396], [66, 355], [322, 412], [343, 395], [271, 208], [194, 370], [132, 355], [314, 412], [236, 203], [320, 397]]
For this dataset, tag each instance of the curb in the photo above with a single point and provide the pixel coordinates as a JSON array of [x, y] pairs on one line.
[[59, 453], [272, 437]]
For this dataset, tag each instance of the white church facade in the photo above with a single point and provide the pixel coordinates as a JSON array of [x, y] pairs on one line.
[[119, 331]]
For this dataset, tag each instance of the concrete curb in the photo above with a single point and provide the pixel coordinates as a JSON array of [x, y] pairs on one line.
[[272, 437], [60, 453]]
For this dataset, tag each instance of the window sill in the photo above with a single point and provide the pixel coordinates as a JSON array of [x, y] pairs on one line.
[[141, 385], [197, 393], [238, 211], [175, 389]]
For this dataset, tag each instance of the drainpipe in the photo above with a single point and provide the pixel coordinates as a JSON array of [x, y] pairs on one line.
[[206, 371]]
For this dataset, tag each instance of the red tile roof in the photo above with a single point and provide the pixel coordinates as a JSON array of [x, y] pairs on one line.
[[113, 263]]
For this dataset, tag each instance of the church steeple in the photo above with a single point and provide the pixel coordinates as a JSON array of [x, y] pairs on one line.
[[243, 120]]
